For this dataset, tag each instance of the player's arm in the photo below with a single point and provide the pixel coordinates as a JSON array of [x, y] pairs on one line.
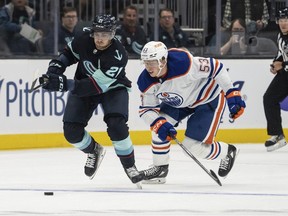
[[149, 108], [149, 112], [54, 79], [233, 96]]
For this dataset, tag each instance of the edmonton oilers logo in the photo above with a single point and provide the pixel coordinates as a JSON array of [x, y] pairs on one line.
[[170, 98]]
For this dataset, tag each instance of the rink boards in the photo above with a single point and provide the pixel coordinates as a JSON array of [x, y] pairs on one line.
[[32, 120]]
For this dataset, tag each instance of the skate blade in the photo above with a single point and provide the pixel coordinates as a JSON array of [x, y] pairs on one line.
[[99, 162], [139, 186], [155, 181], [276, 146]]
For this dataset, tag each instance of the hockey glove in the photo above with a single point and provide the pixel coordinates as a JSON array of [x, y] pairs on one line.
[[235, 103], [56, 67], [164, 129], [53, 82]]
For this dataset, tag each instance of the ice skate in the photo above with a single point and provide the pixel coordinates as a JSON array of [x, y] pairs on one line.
[[155, 175], [134, 175], [227, 163], [94, 160], [275, 142]]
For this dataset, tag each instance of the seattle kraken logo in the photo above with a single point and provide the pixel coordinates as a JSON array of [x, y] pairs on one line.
[[170, 98]]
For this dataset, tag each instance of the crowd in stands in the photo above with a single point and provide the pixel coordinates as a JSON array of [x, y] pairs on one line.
[[243, 30]]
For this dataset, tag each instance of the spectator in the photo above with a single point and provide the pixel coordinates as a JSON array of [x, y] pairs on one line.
[[12, 18], [130, 33], [254, 12], [169, 32], [66, 31], [236, 40], [230, 38]]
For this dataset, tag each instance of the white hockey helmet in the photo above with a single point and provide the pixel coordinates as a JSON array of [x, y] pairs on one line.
[[154, 50]]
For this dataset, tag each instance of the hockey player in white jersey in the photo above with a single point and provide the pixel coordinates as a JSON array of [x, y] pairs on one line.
[[175, 85]]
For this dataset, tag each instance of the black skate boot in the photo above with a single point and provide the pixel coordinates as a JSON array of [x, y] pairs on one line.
[[133, 174], [227, 163], [275, 142], [94, 160], [155, 174]]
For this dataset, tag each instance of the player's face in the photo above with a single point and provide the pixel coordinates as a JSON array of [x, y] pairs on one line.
[[152, 66], [283, 24], [155, 68], [102, 39]]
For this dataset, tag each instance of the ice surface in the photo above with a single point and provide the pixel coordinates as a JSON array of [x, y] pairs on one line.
[[256, 186]]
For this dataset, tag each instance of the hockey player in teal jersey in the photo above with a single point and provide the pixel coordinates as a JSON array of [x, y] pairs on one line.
[[100, 79], [175, 85]]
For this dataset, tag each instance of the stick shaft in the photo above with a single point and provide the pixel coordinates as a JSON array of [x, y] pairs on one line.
[[211, 173]]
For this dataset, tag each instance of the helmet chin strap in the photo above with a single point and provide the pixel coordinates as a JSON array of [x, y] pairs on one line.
[[160, 69]]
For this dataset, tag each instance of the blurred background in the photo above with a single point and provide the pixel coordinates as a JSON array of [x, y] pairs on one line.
[[203, 21]]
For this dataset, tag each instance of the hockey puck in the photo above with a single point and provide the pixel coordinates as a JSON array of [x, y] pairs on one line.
[[48, 193]]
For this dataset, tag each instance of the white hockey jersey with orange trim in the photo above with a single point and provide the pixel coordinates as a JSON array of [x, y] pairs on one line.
[[189, 82]]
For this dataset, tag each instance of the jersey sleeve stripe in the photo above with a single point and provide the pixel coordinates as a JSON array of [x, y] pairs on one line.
[[212, 67], [213, 92], [218, 69], [203, 89], [207, 94], [142, 111]]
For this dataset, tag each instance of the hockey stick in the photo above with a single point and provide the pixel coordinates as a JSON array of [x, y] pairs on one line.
[[211, 173], [34, 86]]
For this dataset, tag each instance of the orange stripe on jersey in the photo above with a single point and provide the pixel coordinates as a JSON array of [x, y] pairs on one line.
[[206, 94], [146, 109], [216, 66], [216, 120]]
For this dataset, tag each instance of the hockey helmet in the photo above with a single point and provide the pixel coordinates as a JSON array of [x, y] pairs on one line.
[[282, 13], [104, 23], [154, 50]]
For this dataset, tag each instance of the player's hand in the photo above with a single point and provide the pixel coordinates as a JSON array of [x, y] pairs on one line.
[[164, 129], [56, 67], [235, 103], [53, 82]]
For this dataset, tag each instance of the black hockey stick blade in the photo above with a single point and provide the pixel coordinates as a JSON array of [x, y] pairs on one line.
[[35, 87], [211, 173]]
